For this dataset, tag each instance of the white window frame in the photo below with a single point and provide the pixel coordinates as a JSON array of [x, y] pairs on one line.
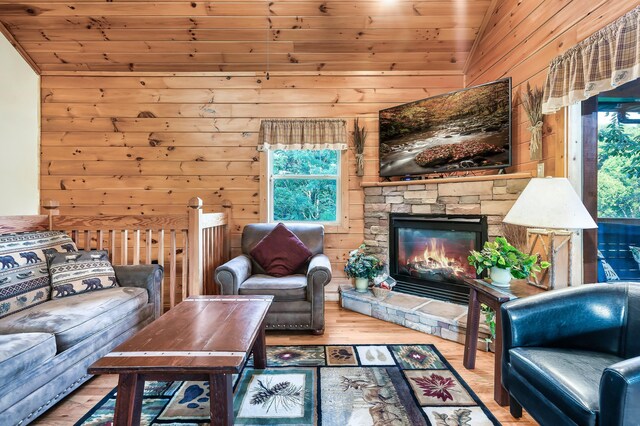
[[573, 152], [338, 177]]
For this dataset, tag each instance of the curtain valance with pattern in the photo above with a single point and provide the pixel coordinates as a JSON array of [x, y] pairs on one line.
[[303, 134], [605, 60]]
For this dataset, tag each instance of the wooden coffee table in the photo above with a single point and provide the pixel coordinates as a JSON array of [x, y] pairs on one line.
[[202, 338]]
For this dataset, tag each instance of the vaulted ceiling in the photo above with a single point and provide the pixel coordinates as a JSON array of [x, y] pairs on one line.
[[291, 35]]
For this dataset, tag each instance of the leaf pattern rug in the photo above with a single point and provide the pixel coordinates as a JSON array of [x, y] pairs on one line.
[[344, 385]]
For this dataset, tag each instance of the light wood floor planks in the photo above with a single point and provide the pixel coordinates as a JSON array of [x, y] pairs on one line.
[[343, 326]]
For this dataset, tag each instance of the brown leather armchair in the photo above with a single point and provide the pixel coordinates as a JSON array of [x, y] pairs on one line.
[[299, 299]]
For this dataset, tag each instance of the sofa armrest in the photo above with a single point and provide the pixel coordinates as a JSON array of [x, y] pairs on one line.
[[620, 393], [232, 274], [586, 317], [318, 276], [148, 277]]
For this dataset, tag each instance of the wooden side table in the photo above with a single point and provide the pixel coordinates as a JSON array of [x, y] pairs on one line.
[[483, 292]]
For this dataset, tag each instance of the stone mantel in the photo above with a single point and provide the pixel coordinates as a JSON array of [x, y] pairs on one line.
[[460, 179]]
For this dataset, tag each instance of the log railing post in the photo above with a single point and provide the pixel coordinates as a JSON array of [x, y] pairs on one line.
[[226, 204], [51, 207], [195, 283]]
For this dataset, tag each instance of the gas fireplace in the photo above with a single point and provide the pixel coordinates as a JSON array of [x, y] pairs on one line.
[[428, 253]]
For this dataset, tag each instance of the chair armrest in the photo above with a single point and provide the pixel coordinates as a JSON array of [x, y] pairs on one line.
[[620, 393], [148, 277], [586, 317], [232, 274], [318, 276]]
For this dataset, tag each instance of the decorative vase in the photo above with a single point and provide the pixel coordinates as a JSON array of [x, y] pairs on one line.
[[359, 165], [500, 277], [535, 148], [362, 285]]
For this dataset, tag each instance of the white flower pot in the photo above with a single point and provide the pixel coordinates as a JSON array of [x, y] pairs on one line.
[[362, 285], [500, 277]]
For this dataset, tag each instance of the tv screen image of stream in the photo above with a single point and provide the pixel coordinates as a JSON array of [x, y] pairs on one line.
[[464, 130]]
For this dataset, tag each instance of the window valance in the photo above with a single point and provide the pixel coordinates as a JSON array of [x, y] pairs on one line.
[[607, 59], [303, 134]]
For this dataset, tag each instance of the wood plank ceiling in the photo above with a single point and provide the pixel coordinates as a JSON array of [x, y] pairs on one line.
[[292, 35]]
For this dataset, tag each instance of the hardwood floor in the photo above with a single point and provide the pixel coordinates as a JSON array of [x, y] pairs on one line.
[[342, 326]]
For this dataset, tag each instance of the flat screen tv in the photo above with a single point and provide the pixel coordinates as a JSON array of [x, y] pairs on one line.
[[467, 129]]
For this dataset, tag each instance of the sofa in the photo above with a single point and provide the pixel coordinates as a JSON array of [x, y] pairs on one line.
[[45, 349], [298, 298], [572, 356]]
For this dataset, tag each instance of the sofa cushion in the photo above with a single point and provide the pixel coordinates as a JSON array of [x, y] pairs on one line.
[[289, 288], [280, 252], [80, 272], [24, 278], [23, 352], [72, 319], [569, 378]]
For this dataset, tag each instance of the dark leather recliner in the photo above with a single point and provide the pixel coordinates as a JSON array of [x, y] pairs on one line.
[[572, 356], [299, 299]]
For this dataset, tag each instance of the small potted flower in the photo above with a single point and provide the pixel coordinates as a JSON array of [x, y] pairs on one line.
[[363, 267], [504, 261]]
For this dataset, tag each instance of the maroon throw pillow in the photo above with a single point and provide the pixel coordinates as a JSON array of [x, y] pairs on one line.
[[280, 252]]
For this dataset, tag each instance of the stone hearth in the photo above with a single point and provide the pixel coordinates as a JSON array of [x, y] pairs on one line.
[[442, 319]]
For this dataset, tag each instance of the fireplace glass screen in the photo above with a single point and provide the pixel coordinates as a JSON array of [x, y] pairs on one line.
[[428, 253], [435, 255]]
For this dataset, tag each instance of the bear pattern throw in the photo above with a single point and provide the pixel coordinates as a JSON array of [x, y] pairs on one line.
[[79, 272], [24, 278]]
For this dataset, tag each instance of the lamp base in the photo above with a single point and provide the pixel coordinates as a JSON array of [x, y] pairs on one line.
[[554, 247]]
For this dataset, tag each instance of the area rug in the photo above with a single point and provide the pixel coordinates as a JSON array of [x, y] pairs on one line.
[[340, 385]]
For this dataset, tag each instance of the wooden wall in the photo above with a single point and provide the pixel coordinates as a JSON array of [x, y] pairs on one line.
[[519, 41], [145, 144]]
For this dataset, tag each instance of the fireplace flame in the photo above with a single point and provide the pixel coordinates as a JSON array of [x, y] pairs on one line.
[[435, 258], [435, 255]]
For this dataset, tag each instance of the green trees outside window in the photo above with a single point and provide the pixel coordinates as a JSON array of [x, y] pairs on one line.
[[618, 168], [305, 185]]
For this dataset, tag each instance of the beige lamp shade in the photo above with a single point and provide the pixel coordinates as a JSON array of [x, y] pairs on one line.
[[550, 203]]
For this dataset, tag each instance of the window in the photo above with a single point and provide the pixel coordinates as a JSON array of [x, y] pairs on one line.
[[618, 164], [304, 186]]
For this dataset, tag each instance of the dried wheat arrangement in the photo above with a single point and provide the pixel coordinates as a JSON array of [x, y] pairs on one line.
[[359, 138], [532, 104]]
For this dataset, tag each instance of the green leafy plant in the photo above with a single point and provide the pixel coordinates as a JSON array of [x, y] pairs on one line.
[[363, 265], [490, 320], [501, 254]]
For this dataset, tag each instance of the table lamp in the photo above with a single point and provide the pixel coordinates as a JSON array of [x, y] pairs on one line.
[[553, 209]]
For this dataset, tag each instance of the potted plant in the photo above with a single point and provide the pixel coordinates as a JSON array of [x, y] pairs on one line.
[[363, 267], [504, 261]]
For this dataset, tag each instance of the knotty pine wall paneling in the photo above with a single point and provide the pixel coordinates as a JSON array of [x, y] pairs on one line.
[[231, 36], [144, 144], [519, 41]]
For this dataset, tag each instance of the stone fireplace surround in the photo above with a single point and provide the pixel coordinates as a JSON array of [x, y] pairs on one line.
[[491, 196]]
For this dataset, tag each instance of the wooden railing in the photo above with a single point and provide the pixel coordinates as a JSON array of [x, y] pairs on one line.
[[188, 246]]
